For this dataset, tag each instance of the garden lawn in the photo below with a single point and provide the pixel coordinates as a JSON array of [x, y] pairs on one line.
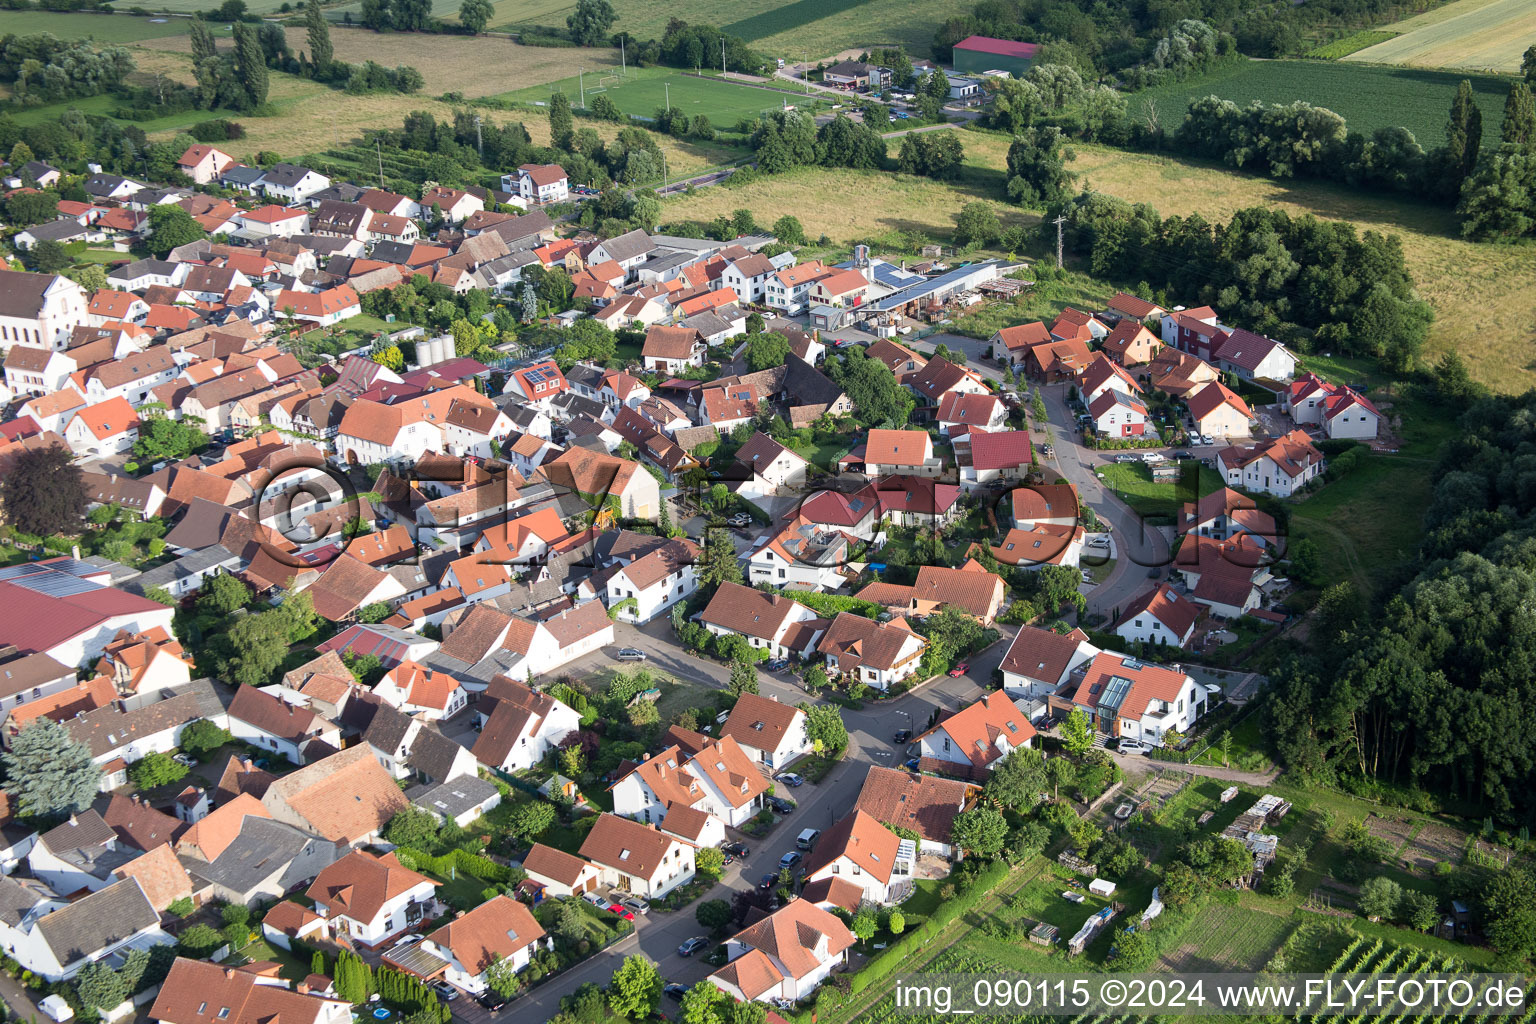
[[1132, 482], [1227, 938], [823, 455]]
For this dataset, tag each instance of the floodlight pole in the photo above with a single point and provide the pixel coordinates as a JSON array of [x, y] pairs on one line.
[[582, 82]]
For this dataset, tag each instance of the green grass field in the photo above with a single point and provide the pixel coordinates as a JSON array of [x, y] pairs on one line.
[[1132, 482], [117, 28], [1350, 44], [1368, 97], [645, 90]]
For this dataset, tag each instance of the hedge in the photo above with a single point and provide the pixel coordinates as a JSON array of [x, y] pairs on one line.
[[891, 958], [482, 868], [831, 604]]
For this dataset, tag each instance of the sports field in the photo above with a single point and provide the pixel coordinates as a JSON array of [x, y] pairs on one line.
[[115, 28], [643, 91], [1367, 96], [1485, 35]]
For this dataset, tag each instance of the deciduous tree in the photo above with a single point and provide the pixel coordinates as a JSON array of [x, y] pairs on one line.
[[44, 492]]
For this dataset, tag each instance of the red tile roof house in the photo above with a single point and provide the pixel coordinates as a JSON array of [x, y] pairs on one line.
[[970, 589], [323, 308], [1252, 356], [105, 428], [1132, 344], [1016, 341], [672, 349], [1225, 576], [1117, 415], [768, 730], [1100, 375], [1224, 514], [542, 183], [855, 514], [369, 899], [876, 654], [203, 163], [778, 624], [561, 873], [1036, 544], [1160, 616], [942, 377], [271, 723], [1219, 412], [501, 929], [518, 726], [1135, 309], [1339, 410], [888, 452], [1280, 467], [639, 858], [785, 955], [995, 457], [1039, 661], [536, 385], [198, 992], [719, 779], [962, 412], [270, 222], [422, 693], [861, 850], [925, 804], [969, 742], [1130, 698]]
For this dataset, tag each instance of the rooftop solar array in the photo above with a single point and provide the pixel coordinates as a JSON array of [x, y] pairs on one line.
[[56, 579]]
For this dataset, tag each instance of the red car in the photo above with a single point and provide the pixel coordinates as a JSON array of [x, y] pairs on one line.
[[960, 669], [624, 912]]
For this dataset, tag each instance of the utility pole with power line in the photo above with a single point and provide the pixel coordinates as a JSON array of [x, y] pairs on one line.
[[722, 56], [379, 152], [479, 141], [582, 82], [1059, 221]]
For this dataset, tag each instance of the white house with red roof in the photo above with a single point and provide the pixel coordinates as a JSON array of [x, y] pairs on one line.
[[324, 308], [995, 457], [968, 742], [454, 204], [1117, 414], [778, 624], [1280, 467], [537, 385], [1192, 330], [421, 692], [789, 289], [962, 412], [109, 305], [203, 163], [1338, 410], [1040, 660], [368, 898], [640, 858], [774, 463], [855, 514], [1101, 375], [1136, 700], [786, 955], [1218, 411], [543, 183], [1160, 616], [105, 428], [270, 222], [862, 851]]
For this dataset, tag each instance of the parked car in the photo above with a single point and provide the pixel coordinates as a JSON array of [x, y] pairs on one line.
[[1181, 456], [601, 903], [624, 912], [789, 779], [768, 881], [807, 839], [776, 665], [675, 991], [911, 765], [740, 520], [1048, 450], [790, 859], [1128, 746], [693, 945], [637, 904], [1126, 457], [491, 1000], [1207, 439], [737, 849], [903, 736], [959, 670], [445, 991], [406, 940], [630, 654], [1153, 457], [185, 760], [1098, 542], [781, 805]]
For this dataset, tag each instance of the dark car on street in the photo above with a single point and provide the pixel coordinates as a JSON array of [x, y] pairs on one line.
[[903, 736], [768, 881], [693, 945], [780, 804], [736, 849]]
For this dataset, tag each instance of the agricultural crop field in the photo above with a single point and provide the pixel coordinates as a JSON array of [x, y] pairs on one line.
[[113, 28], [1367, 96], [815, 28], [475, 67], [1486, 35], [1226, 938], [643, 91]]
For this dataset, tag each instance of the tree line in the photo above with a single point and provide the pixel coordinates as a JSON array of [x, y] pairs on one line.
[[1314, 283], [1431, 693], [41, 68]]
